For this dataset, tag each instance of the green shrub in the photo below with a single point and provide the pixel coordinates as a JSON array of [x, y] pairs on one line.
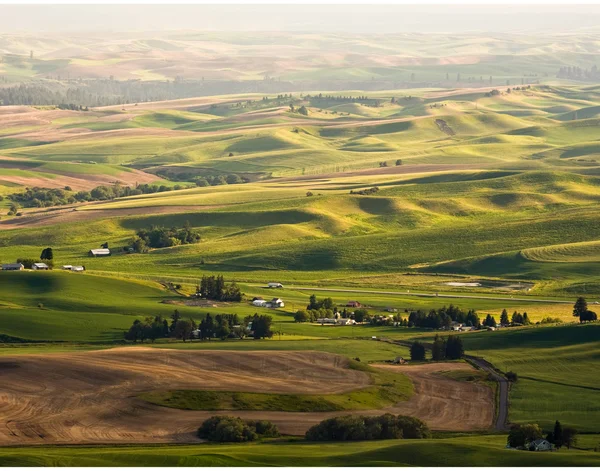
[[223, 428]]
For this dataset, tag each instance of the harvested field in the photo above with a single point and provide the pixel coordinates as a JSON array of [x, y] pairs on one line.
[[101, 405], [69, 214], [444, 403]]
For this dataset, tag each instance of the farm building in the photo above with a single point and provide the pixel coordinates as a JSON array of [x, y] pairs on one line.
[[343, 321], [326, 320], [40, 266], [13, 266], [273, 284], [99, 253], [259, 302], [78, 268], [352, 304], [540, 445], [275, 302], [67, 267]]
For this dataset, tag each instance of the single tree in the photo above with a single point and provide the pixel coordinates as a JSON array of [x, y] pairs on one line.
[[569, 437], [438, 349], [504, 318], [417, 351], [557, 435], [580, 307], [47, 254]]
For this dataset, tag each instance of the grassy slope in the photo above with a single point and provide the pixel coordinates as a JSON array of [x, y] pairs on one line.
[[554, 365], [464, 451]]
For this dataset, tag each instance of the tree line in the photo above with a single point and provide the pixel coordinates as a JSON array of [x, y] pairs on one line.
[[443, 318], [356, 427], [578, 73], [37, 197], [221, 326]]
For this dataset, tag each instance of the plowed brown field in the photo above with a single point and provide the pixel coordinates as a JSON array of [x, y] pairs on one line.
[[90, 397]]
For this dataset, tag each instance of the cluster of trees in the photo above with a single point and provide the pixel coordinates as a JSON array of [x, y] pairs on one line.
[[577, 73], [522, 435], [152, 328], [159, 237], [37, 197], [216, 180], [355, 427], [366, 191], [580, 310], [443, 317], [302, 110], [260, 326], [222, 326], [450, 348], [315, 304], [214, 287], [223, 428]]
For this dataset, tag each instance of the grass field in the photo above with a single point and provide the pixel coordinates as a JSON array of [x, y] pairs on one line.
[[461, 451]]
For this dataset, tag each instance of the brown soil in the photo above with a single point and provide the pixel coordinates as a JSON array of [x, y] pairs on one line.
[[90, 397], [444, 403], [69, 214]]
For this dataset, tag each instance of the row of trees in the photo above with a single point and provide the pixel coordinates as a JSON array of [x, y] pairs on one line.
[[158, 237], [356, 427], [443, 318], [217, 180], [37, 197], [103, 92], [578, 73], [522, 435], [214, 287], [221, 326]]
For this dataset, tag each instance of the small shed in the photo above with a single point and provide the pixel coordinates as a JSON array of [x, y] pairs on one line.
[[273, 284], [39, 266], [13, 266], [99, 253], [352, 304]]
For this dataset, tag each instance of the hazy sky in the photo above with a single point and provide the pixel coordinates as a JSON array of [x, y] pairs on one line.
[[318, 18]]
